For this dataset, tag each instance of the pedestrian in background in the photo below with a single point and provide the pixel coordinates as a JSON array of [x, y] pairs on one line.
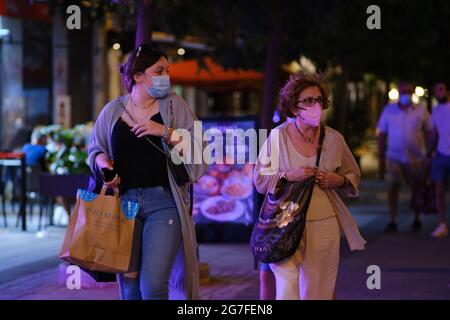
[[403, 129], [440, 125], [36, 150], [267, 287]]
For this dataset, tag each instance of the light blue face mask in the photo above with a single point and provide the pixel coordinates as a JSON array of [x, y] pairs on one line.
[[160, 86]]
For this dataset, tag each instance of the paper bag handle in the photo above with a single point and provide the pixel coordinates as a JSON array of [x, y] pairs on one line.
[[105, 187]]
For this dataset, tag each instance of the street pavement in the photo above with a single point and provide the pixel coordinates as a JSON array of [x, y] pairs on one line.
[[412, 265]]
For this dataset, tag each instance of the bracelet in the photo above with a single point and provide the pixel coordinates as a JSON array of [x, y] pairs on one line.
[[168, 134]]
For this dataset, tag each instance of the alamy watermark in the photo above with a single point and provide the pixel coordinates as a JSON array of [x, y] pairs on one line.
[[214, 146], [374, 20], [374, 280], [74, 19], [73, 281]]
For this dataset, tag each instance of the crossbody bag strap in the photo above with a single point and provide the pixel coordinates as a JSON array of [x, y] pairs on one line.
[[191, 187], [320, 146], [134, 121], [171, 113]]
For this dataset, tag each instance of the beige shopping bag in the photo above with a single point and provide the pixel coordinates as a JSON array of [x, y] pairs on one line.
[[100, 232]]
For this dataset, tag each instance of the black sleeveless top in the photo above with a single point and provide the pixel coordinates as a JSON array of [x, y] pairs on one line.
[[137, 162]]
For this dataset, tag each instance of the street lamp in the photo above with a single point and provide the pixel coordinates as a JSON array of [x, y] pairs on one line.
[[393, 94], [419, 91]]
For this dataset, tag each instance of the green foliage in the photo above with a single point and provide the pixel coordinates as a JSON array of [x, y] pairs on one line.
[[412, 43]]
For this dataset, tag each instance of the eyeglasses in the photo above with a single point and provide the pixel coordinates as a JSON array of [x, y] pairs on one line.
[[310, 101]]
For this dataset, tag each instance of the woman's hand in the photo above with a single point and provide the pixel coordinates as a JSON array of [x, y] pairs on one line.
[[148, 127], [114, 183], [300, 174], [328, 180], [103, 162]]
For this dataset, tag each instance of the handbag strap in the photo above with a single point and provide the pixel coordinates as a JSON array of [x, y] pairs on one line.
[[320, 146], [105, 188], [171, 113]]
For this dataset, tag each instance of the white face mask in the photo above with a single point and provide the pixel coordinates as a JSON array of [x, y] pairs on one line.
[[311, 116]]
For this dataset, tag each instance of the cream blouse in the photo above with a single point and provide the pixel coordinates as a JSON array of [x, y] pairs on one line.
[[320, 206]]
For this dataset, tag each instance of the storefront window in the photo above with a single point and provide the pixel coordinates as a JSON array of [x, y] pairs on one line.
[[14, 130], [25, 79]]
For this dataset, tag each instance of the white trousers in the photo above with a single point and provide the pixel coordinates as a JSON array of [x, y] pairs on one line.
[[310, 274]]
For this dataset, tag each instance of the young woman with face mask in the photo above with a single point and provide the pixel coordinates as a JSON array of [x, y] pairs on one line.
[[311, 272], [120, 142]]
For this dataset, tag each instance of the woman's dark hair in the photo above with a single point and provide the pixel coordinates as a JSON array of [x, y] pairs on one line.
[[295, 85], [139, 59]]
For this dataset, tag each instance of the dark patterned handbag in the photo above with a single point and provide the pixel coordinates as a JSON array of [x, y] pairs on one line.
[[281, 222]]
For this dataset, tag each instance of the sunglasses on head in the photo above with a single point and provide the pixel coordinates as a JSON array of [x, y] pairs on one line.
[[145, 47]]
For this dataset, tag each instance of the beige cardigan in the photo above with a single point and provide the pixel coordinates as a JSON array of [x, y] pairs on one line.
[[336, 157]]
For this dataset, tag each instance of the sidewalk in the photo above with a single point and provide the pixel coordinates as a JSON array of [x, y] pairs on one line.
[[413, 266]]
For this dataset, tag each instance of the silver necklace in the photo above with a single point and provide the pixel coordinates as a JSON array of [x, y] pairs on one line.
[[133, 105], [309, 140]]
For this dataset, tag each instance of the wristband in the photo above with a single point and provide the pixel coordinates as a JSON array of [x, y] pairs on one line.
[[166, 131], [167, 134]]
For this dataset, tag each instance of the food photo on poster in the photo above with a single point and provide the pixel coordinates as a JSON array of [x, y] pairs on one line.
[[225, 194]]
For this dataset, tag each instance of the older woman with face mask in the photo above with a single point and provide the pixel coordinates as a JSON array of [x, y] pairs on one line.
[[310, 273]]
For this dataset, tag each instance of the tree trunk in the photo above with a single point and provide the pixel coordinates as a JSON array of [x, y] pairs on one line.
[[387, 82], [144, 21], [429, 97], [342, 107], [271, 71]]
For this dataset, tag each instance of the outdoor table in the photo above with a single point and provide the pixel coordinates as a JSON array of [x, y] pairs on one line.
[[55, 185], [17, 159]]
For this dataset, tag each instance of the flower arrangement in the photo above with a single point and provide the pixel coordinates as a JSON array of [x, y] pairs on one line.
[[67, 148]]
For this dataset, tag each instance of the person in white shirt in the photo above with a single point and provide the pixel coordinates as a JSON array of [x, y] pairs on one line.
[[440, 124], [403, 129]]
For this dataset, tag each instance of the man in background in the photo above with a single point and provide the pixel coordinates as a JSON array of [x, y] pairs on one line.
[[440, 125], [35, 151], [403, 129]]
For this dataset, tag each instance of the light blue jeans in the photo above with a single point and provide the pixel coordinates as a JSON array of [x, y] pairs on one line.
[[161, 240]]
